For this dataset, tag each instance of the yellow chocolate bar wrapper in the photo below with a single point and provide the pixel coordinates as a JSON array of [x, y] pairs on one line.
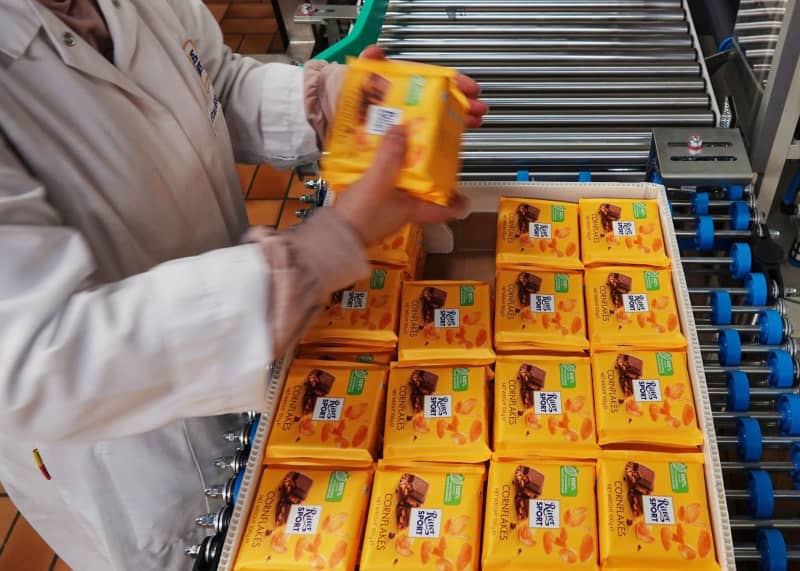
[[645, 397], [445, 322], [543, 406], [614, 230], [437, 414], [539, 233], [540, 515], [328, 411], [424, 516], [540, 310], [653, 512], [345, 353], [646, 316], [319, 531], [364, 315], [375, 96], [397, 249]]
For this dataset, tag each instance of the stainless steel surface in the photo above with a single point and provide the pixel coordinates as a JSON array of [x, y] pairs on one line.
[[572, 85], [678, 166]]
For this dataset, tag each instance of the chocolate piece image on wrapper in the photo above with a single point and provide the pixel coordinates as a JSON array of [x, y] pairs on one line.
[[618, 284], [640, 481], [317, 384], [526, 213], [431, 299], [629, 368], [293, 490], [373, 92], [411, 493], [608, 214], [421, 383], [529, 485], [531, 379], [527, 285]]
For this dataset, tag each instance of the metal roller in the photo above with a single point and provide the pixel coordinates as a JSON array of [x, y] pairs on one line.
[[677, 100], [490, 87], [579, 71], [515, 44], [516, 5], [572, 75], [515, 29]]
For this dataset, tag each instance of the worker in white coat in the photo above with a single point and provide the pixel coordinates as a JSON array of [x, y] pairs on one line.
[[131, 315]]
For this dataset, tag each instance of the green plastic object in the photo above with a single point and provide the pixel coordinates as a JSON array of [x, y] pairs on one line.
[[365, 32]]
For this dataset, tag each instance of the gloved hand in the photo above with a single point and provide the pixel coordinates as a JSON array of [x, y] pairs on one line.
[[374, 208], [323, 81]]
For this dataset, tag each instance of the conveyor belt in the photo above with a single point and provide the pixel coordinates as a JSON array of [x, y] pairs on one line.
[[584, 80], [758, 24]]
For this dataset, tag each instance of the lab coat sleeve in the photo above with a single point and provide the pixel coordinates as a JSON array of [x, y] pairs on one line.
[[81, 361], [263, 103]]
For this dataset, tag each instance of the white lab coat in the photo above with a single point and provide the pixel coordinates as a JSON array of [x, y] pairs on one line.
[[110, 353]]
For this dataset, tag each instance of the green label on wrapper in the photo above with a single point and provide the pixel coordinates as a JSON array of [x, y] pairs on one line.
[[651, 282], [557, 213], [569, 481], [336, 484], [561, 283], [678, 478], [453, 486], [460, 379], [639, 210], [467, 296], [664, 362], [356, 384], [415, 85], [567, 371], [378, 279]]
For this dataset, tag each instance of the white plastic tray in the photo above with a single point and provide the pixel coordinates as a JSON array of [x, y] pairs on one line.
[[441, 239]]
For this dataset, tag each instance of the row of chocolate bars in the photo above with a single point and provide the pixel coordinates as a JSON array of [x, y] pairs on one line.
[[627, 510], [569, 436]]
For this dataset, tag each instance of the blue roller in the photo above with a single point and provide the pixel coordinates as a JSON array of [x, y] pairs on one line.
[[748, 433], [523, 176], [738, 391], [721, 308], [584, 176], [655, 177], [734, 192], [781, 367], [237, 484], [756, 285], [771, 324], [704, 234], [762, 497], [796, 461], [700, 203], [789, 408], [741, 258], [739, 213], [253, 430], [730, 348], [772, 548]]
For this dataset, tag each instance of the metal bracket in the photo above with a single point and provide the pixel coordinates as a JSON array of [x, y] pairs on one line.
[[327, 15], [718, 158]]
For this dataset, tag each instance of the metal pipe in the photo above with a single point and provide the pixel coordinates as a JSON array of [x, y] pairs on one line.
[[685, 118], [515, 44], [515, 5], [600, 102], [452, 58], [577, 70], [500, 17], [437, 30], [659, 86]]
